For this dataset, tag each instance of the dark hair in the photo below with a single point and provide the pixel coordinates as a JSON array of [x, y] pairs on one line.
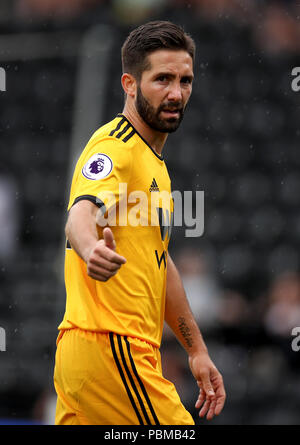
[[150, 37]]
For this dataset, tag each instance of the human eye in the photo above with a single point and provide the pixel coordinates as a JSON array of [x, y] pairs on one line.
[[162, 78], [186, 80]]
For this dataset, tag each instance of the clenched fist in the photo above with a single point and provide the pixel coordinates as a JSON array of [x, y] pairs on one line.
[[103, 262]]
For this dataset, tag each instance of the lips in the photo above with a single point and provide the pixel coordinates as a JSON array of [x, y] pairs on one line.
[[171, 112]]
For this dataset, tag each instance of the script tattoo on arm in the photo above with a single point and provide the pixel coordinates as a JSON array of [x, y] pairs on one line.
[[185, 331]]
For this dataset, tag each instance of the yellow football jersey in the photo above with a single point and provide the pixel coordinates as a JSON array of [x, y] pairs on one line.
[[129, 182]]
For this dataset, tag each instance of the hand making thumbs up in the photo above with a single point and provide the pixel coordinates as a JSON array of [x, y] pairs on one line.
[[103, 261]]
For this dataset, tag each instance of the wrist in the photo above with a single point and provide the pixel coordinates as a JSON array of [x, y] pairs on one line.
[[201, 350], [198, 348], [86, 252]]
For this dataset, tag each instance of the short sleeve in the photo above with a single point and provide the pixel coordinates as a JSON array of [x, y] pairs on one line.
[[100, 172]]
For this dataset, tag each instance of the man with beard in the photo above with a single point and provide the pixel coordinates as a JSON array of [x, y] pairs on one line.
[[121, 283]]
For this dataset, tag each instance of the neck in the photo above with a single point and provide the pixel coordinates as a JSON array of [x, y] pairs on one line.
[[155, 139]]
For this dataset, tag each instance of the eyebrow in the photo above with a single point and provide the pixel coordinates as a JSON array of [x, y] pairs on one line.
[[168, 74]]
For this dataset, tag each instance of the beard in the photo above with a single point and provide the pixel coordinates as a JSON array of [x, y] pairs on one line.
[[151, 115]]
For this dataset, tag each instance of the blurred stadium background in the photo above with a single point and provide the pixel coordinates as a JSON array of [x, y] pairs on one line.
[[239, 143]]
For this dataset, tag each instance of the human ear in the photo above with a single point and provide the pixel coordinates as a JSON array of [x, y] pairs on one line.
[[129, 84]]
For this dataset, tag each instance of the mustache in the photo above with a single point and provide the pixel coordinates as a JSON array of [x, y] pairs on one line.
[[171, 106]]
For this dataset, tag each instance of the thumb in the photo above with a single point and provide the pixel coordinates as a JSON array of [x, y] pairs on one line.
[[108, 237]]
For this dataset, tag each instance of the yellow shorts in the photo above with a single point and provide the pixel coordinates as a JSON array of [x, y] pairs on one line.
[[109, 379]]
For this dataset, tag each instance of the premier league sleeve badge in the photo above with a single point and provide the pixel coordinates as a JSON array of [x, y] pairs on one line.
[[97, 167]]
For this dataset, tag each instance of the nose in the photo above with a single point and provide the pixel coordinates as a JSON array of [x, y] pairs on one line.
[[175, 92]]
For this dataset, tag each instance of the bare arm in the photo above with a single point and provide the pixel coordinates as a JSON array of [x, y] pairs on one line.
[[81, 231], [178, 313], [179, 317]]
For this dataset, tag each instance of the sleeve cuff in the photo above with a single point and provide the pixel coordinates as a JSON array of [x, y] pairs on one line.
[[91, 198]]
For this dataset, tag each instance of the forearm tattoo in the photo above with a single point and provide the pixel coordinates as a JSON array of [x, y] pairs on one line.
[[185, 331]]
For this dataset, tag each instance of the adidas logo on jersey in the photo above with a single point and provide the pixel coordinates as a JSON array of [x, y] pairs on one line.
[[154, 186]]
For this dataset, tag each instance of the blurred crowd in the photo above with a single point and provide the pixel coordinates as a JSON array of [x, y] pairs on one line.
[[249, 339], [275, 23]]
